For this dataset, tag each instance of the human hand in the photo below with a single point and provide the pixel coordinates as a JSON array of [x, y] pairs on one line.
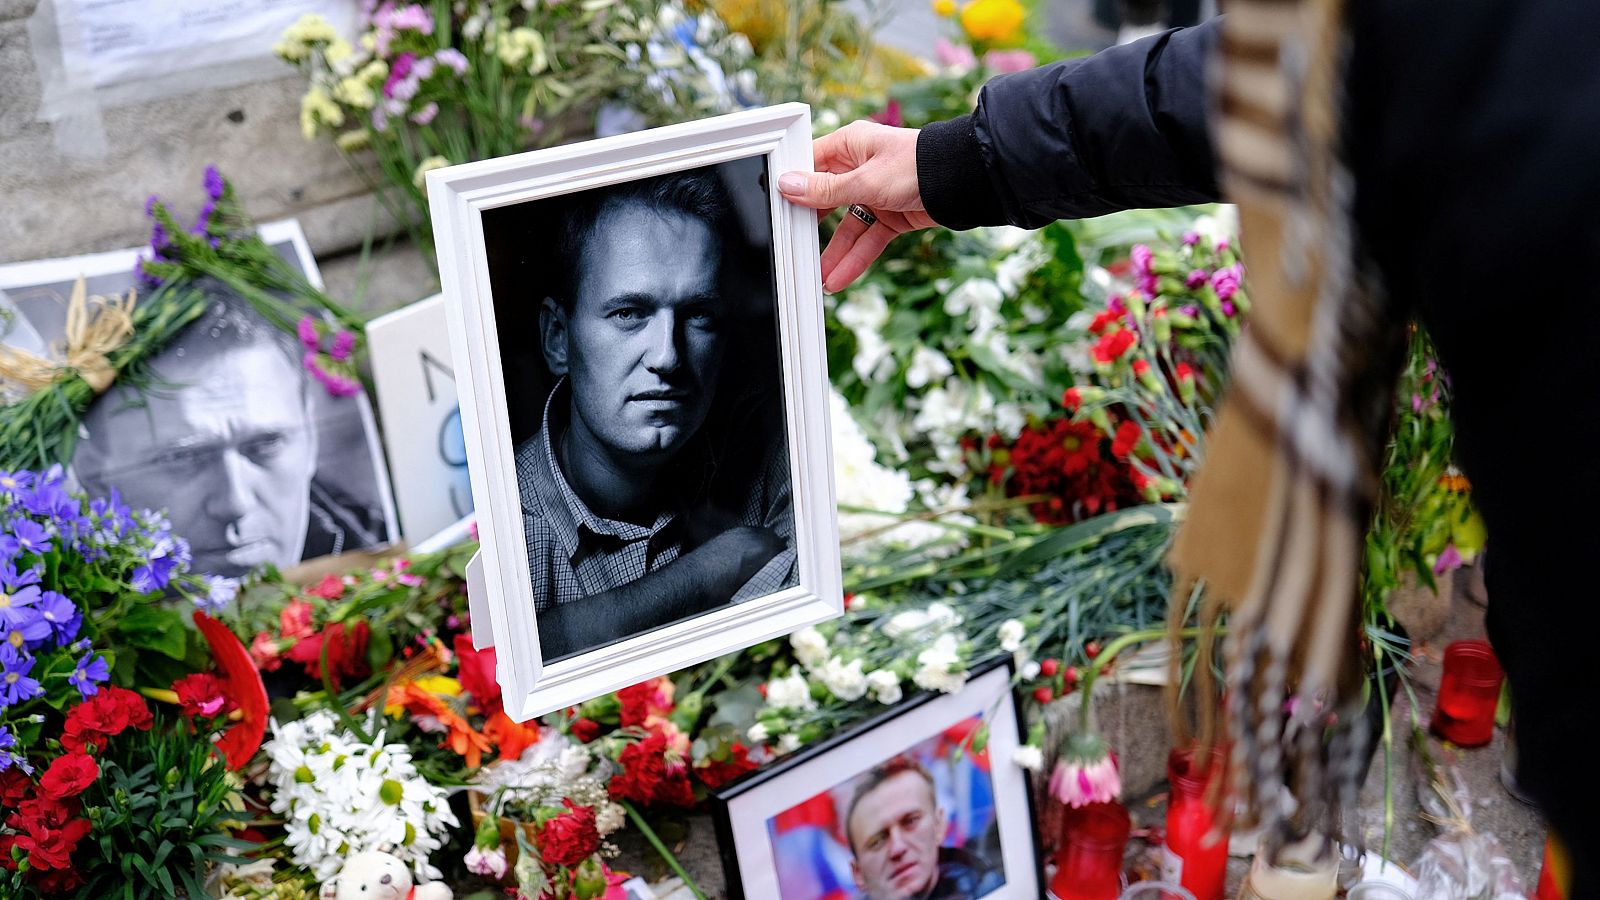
[[870, 164]]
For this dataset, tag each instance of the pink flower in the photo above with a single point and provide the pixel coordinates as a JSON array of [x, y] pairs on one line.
[[1010, 60], [1226, 282], [1196, 278], [343, 343], [1141, 258], [1449, 560], [425, 115], [307, 329], [488, 863], [1191, 238], [890, 116], [453, 59], [1079, 784], [951, 56]]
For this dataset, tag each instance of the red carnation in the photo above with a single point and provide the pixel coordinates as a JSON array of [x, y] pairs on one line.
[[716, 773], [43, 812], [1105, 320], [570, 838], [104, 716], [329, 588], [1128, 435], [202, 695], [51, 848], [294, 620], [347, 652], [650, 776], [56, 882], [641, 703], [68, 776], [14, 785], [1111, 347], [585, 730]]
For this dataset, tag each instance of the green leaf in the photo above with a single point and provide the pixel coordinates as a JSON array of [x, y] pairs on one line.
[[154, 627]]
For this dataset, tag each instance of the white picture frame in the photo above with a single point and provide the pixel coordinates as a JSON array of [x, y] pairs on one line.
[[459, 196], [747, 812]]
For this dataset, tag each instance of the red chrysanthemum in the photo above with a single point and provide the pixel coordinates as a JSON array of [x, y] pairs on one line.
[[570, 838], [68, 775], [716, 773]]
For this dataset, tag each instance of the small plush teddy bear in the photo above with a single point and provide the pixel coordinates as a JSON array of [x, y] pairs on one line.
[[378, 876]]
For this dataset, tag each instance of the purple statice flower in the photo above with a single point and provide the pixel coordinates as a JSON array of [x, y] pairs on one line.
[[1196, 278], [336, 385], [398, 72], [146, 277], [62, 615], [202, 222], [452, 59], [426, 114], [307, 330], [90, 673], [15, 482], [1191, 238], [15, 685], [30, 537], [150, 205], [220, 592], [343, 343], [214, 183]]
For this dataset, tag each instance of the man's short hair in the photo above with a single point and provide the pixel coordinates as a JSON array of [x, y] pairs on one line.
[[696, 193], [898, 765]]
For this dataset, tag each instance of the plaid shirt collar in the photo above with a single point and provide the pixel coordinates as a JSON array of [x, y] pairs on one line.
[[567, 512]]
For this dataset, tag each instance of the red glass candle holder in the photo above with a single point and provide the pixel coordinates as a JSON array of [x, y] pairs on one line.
[[1469, 692], [1089, 864], [1193, 856], [1549, 884]]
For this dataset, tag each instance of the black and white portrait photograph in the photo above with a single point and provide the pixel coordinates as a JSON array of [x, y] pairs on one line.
[[253, 461], [637, 327]]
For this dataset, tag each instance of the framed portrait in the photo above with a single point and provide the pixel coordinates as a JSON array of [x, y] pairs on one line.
[[637, 337], [252, 460], [901, 806]]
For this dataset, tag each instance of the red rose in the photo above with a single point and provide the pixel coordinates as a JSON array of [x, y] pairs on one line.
[[68, 776], [330, 587], [347, 652], [585, 730], [14, 785], [201, 695], [570, 838], [715, 773], [476, 671]]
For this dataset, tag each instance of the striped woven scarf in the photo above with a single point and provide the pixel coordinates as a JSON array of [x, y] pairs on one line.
[[1278, 514]]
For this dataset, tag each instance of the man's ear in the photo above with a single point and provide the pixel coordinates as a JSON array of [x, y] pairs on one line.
[[553, 335], [855, 873]]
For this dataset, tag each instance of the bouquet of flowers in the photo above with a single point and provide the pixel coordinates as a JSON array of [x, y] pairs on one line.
[[427, 85]]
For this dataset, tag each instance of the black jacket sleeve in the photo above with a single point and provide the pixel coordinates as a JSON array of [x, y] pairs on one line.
[[1123, 129]]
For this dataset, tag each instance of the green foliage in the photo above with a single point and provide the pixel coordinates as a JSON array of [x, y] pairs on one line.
[[159, 811]]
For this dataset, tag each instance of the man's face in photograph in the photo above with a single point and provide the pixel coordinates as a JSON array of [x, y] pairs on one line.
[[223, 442], [643, 341], [895, 831]]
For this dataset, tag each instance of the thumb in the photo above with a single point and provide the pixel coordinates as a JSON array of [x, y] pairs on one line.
[[820, 190]]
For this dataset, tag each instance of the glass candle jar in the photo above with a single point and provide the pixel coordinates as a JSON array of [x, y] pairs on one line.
[[1193, 856], [1469, 692], [1089, 864], [1300, 873], [1551, 873]]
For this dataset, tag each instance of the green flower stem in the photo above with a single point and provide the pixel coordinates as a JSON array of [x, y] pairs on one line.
[[655, 841], [1110, 652]]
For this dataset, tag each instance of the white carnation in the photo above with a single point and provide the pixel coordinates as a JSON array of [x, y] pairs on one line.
[[810, 647], [758, 733], [939, 668], [973, 294], [885, 686], [844, 680], [788, 743], [1029, 757], [927, 366], [1011, 634], [790, 692]]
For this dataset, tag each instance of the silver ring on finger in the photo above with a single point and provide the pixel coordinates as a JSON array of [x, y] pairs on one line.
[[864, 214]]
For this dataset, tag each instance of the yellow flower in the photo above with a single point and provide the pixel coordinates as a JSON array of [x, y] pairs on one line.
[[520, 44], [355, 92], [426, 166], [993, 21], [307, 32], [944, 8], [440, 684], [337, 51], [353, 141], [316, 110]]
